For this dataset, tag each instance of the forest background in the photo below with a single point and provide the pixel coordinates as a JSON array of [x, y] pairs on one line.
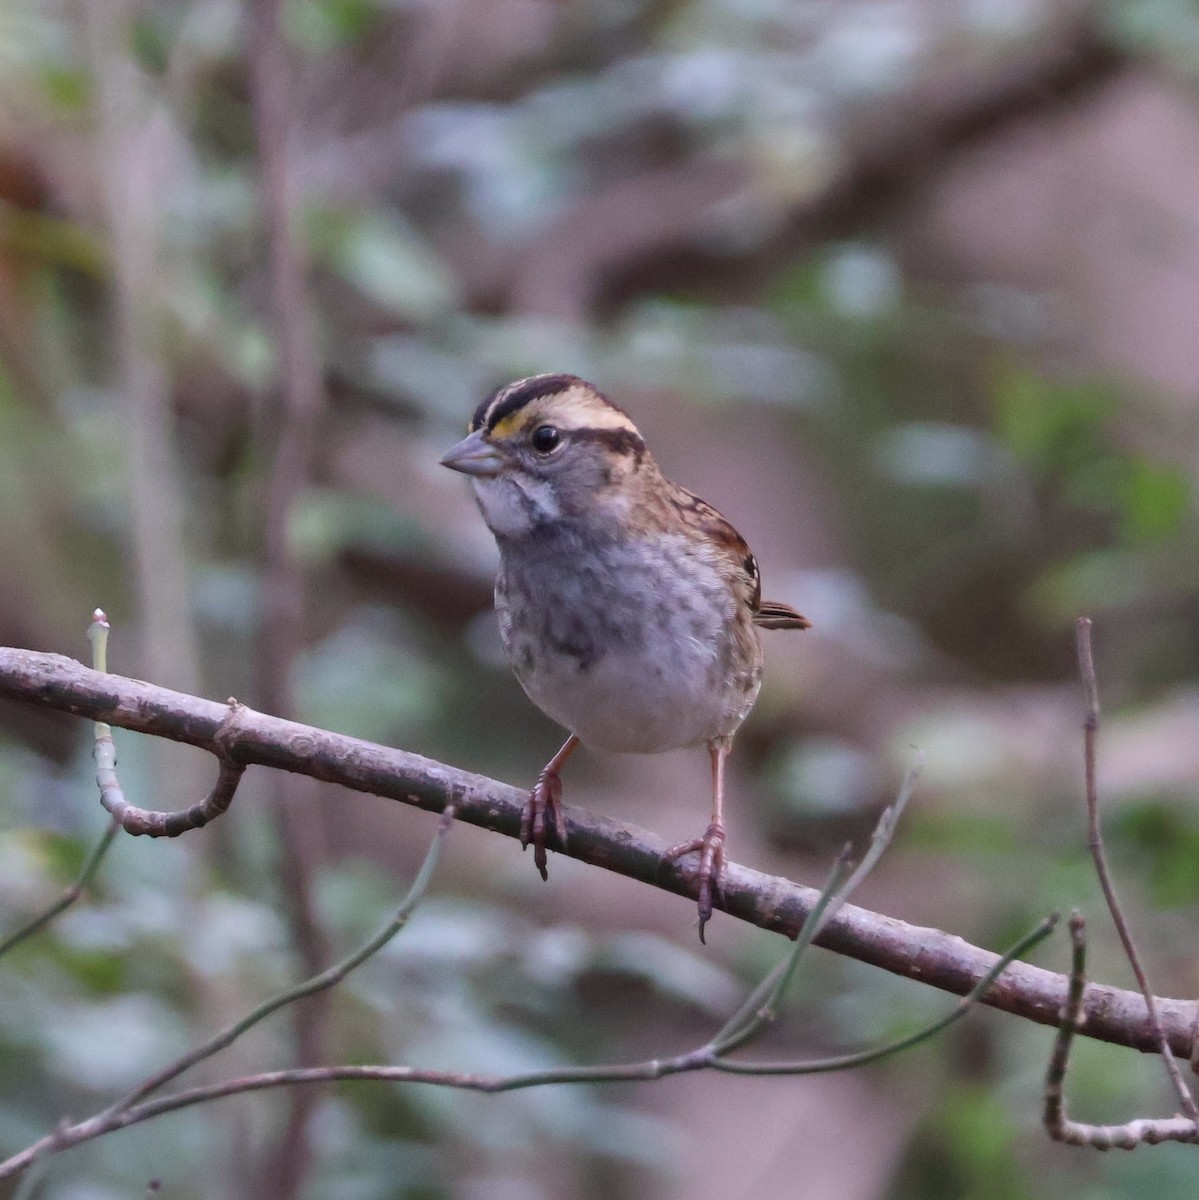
[[907, 289]]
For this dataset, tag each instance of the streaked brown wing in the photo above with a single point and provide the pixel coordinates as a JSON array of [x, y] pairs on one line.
[[767, 614]]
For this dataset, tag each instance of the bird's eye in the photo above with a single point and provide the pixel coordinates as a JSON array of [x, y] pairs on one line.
[[545, 439]]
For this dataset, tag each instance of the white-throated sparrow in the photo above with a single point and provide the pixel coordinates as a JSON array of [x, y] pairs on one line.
[[628, 607]]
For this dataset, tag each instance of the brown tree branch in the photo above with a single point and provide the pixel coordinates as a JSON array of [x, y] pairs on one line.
[[929, 956]]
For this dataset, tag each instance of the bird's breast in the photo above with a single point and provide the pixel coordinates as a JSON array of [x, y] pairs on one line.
[[633, 647]]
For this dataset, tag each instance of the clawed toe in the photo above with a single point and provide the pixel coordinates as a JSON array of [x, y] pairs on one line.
[[543, 805], [709, 871]]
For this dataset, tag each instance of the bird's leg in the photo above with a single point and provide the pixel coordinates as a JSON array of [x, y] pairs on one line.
[[711, 845], [546, 799]]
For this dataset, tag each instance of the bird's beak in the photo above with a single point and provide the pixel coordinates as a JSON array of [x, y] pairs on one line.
[[474, 456]]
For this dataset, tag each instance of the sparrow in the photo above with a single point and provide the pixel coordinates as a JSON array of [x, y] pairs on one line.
[[628, 607]]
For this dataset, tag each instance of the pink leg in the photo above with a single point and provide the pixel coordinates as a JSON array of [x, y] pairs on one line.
[[711, 845], [546, 800]]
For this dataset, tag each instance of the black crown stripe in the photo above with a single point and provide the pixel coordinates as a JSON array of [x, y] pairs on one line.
[[507, 400]]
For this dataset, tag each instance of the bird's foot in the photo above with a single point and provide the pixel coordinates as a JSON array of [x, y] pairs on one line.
[[543, 806], [711, 867]]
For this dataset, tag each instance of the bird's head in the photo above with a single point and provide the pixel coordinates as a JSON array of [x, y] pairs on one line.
[[548, 449]]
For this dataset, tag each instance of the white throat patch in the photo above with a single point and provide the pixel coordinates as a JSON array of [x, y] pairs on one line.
[[512, 504]]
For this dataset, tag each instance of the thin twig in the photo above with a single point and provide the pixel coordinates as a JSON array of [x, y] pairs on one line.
[[90, 866], [762, 1005], [142, 821], [134, 1108], [130, 1109], [880, 839], [929, 956], [1054, 1111], [1086, 663], [1053, 1114], [26, 1189], [845, 1062], [98, 636], [650, 1069], [309, 987]]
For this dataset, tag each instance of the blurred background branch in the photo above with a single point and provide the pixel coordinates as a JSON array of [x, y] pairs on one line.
[[292, 424], [135, 149]]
